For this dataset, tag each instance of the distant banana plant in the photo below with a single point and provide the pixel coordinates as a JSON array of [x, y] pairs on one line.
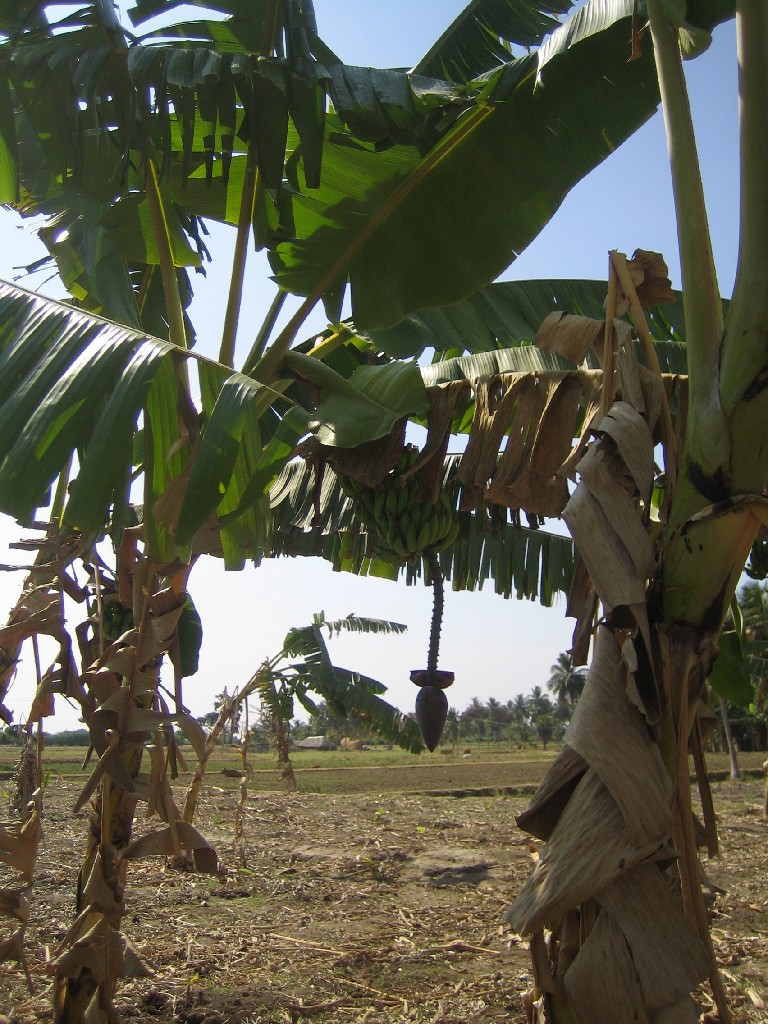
[[300, 671]]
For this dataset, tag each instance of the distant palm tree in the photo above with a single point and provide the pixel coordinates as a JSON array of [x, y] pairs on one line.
[[538, 703], [566, 681], [496, 717]]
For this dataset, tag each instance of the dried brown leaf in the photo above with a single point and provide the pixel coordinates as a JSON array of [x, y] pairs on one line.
[[554, 792], [539, 487], [612, 736], [629, 432], [588, 849], [110, 763], [517, 397], [620, 509], [654, 287], [629, 369], [43, 706], [13, 903], [12, 948], [46, 620], [96, 891], [669, 957], [99, 951], [443, 401], [194, 733], [568, 335], [161, 842], [369, 463], [19, 844], [610, 567], [618, 999]]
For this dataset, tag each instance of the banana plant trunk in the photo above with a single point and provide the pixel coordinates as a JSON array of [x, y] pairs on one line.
[[97, 923]]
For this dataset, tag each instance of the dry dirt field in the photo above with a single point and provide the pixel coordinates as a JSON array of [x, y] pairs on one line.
[[378, 906]]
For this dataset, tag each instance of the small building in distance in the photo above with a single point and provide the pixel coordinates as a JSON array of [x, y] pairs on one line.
[[315, 743]]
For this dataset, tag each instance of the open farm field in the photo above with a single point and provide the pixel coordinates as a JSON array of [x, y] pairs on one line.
[[488, 770], [368, 896]]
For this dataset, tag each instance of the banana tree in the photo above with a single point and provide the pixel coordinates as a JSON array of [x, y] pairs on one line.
[[656, 644], [279, 682]]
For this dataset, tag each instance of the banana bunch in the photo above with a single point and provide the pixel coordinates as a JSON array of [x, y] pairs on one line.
[[116, 619], [405, 525]]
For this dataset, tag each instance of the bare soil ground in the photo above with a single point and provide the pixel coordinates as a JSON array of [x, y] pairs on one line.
[[374, 906]]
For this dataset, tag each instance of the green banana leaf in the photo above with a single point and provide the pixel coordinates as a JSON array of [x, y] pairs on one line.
[[72, 383], [509, 313], [730, 677], [82, 130], [406, 231], [481, 37], [529, 564]]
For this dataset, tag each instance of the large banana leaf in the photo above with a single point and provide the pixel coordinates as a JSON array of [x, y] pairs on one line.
[[509, 313], [83, 131], [378, 218], [75, 384], [407, 231]]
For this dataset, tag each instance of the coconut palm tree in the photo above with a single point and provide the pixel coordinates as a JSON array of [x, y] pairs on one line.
[[565, 681]]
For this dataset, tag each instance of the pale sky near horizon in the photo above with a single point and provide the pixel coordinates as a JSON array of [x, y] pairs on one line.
[[496, 648]]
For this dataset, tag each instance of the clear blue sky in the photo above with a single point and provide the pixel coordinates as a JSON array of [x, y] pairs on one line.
[[496, 648]]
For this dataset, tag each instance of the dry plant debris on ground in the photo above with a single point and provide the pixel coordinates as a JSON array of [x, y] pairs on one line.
[[356, 908]]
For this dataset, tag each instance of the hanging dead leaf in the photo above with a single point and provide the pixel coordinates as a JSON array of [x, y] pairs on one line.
[[612, 737], [569, 336], [157, 781], [13, 903], [369, 463], [628, 367], [99, 951], [101, 683], [25, 625], [133, 965], [618, 999], [12, 949], [608, 562], [110, 763], [43, 706], [651, 276], [588, 849], [443, 402], [591, 384], [554, 792], [629, 432], [19, 844], [96, 891], [518, 397], [669, 957], [539, 487], [606, 483], [194, 732]]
